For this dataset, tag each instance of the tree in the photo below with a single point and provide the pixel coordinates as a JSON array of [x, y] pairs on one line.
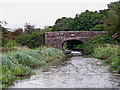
[[16, 33], [47, 29], [29, 29], [112, 24], [81, 22], [104, 12], [99, 27], [63, 24], [5, 35], [87, 20]]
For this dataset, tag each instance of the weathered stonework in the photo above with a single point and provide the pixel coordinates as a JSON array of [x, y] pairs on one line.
[[56, 39]]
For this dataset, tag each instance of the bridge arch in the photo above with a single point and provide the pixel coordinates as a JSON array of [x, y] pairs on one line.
[[71, 43]]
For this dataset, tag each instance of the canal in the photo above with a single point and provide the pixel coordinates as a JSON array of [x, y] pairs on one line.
[[75, 72]]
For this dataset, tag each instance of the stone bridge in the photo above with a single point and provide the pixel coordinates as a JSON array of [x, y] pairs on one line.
[[56, 39]]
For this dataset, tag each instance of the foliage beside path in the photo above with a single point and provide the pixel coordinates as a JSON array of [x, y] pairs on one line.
[[22, 63]]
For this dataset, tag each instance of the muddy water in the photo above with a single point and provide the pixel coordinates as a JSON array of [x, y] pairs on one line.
[[76, 72]]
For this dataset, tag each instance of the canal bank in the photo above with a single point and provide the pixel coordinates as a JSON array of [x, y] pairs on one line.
[[21, 64], [75, 72]]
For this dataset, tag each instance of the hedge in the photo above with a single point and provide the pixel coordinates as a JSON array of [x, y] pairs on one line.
[[33, 40]]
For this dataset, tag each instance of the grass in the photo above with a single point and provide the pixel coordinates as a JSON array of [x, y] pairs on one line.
[[110, 54], [22, 63]]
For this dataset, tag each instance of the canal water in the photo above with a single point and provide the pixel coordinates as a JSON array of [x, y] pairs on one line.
[[75, 72]]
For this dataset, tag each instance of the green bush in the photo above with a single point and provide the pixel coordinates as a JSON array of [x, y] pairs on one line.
[[36, 54], [98, 27], [10, 69], [110, 58], [110, 54], [26, 60], [7, 78], [105, 52], [78, 47], [6, 35], [118, 69], [21, 63], [53, 53], [9, 46], [33, 40], [90, 45], [115, 62]]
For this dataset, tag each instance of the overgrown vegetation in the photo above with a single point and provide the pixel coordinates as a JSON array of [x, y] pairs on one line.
[[72, 45], [31, 37], [10, 46], [5, 35], [99, 27], [90, 45], [110, 54], [112, 23], [33, 40], [22, 63]]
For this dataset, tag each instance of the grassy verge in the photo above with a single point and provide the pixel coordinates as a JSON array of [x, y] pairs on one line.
[[22, 63], [110, 54]]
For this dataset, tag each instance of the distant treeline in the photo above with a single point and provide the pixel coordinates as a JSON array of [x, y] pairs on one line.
[[81, 22]]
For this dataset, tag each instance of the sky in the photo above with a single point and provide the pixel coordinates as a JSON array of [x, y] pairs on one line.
[[43, 13]]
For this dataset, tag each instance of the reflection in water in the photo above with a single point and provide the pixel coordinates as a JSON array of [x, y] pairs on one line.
[[76, 72]]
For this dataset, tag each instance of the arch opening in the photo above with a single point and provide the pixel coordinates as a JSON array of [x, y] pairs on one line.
[[74, 45]]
